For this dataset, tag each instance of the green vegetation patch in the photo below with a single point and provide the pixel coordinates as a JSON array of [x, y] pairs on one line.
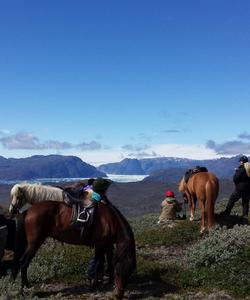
[[57, 261], [219, 246], [232, 276], [149, 234]]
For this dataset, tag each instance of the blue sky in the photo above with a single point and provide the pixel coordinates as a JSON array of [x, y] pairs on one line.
[[105, 80]]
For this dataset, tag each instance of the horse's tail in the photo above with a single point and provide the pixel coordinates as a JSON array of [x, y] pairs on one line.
[[125, 255], [212, 189], [20, 243]]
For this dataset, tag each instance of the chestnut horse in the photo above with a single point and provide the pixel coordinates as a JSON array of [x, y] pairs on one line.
[[52, 219], [202, 187]]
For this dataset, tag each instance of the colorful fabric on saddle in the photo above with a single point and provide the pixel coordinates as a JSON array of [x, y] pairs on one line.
[[193, 171], [87, 187], [96, 197]]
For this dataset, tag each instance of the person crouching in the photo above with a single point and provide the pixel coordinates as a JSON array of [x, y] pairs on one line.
[[169, 209]]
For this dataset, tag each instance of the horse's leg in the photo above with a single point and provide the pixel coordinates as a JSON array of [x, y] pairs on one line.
[[14, 270], [20, 246], [119, 289], [191, 207], [26, 259], [110, 267]]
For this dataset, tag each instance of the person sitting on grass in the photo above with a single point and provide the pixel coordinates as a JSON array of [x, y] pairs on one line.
[[169, 209]]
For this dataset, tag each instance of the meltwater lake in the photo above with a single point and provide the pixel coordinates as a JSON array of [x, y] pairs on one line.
[[113, 177]]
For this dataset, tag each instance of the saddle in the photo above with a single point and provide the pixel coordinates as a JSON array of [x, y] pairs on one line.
[[83, 212], [193, 171]]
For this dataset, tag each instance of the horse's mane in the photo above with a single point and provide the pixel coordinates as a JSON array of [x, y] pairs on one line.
[[37, 192]]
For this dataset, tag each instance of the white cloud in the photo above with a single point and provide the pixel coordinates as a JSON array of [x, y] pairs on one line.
[[116, 154], [26, 144], [21, 140], [131, 147], [194, 151], [28, 141], [4, 131], [230, 147], [97, 158], [93, 145]]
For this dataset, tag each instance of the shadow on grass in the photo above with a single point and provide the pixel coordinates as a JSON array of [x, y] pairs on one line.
[[72, 290], [230, 221], [145, 290], [135, 290]]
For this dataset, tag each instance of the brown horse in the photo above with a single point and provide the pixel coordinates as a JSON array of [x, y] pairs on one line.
[[52, 219], [202, 187]]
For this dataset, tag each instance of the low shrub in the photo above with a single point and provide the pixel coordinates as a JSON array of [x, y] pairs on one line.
[[232, 276], [219, 246], [59, 261]]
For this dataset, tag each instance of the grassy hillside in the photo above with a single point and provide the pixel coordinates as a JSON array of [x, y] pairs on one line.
[[172, 263]]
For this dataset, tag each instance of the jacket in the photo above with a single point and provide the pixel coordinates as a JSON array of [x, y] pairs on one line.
[[169, 207], [241, 180]]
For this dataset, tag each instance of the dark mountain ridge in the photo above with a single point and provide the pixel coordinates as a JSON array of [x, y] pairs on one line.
[[50, 166], [222, 167]]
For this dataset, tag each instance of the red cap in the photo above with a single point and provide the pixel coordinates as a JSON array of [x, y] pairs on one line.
[[169, 194]]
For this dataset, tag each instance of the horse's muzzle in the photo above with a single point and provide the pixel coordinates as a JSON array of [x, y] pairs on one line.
[[13, 210]]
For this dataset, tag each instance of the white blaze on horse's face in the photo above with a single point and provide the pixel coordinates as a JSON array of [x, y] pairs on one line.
[[11, 209], [16, 199]]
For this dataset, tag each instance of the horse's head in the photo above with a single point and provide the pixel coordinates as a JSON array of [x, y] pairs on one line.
[[17, 198], [182, 185]]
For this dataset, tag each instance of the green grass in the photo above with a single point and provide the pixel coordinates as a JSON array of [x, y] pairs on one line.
[[149, 234], [56, 261]]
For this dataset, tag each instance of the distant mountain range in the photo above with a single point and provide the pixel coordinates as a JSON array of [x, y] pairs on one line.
[[162, 169], [169, 166], [50, 166]]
